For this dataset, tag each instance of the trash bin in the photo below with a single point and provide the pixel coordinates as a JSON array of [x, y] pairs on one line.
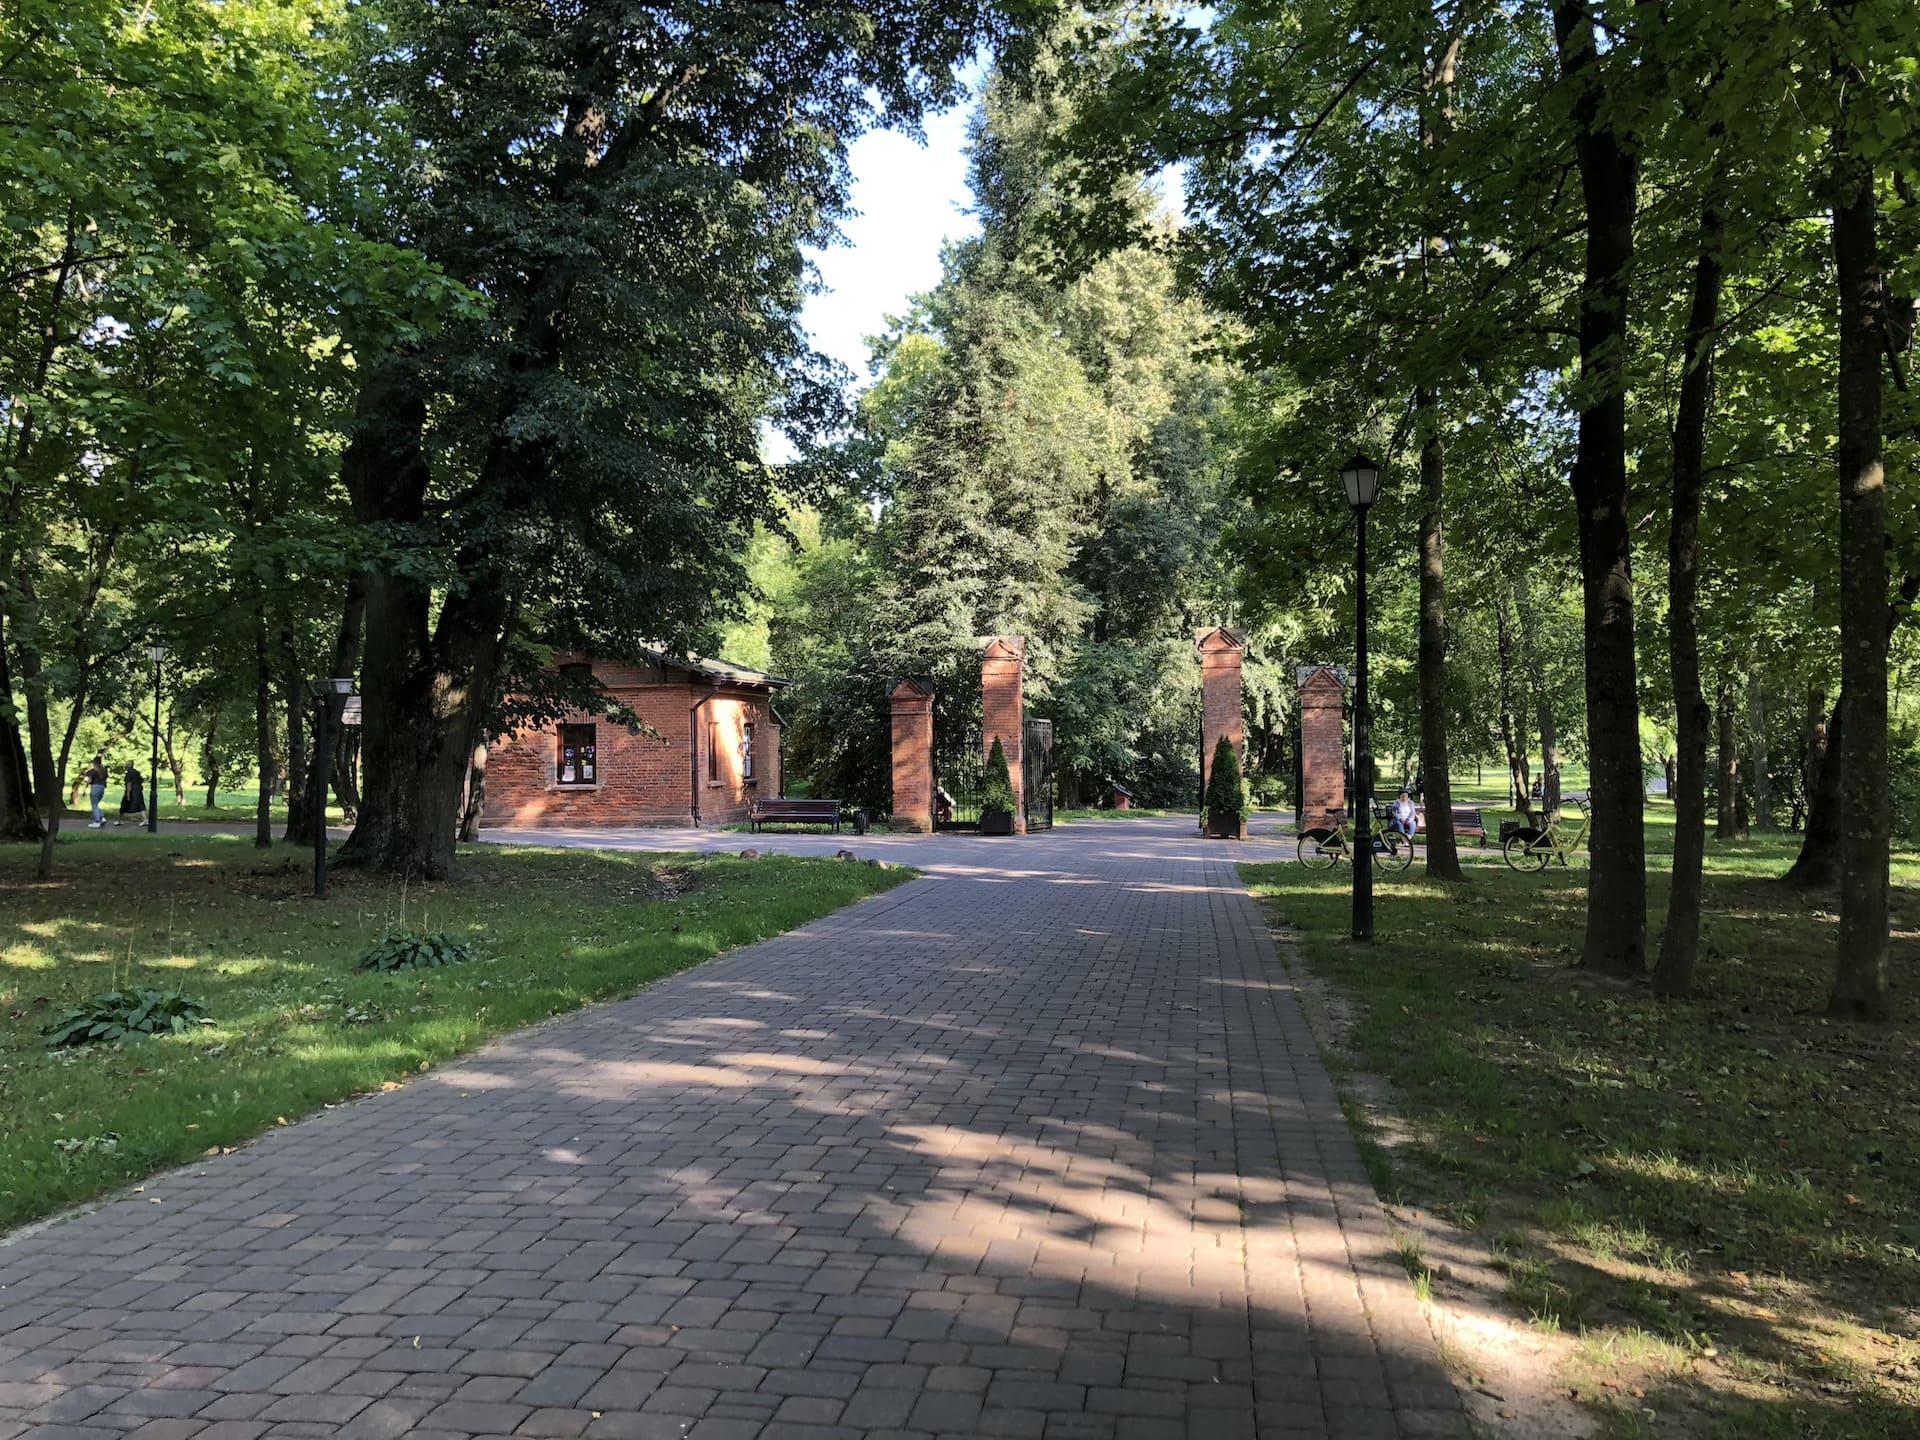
[[859, 822]]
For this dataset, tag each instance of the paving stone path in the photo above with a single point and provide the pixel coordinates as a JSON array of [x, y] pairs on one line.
[[1038, 1145]]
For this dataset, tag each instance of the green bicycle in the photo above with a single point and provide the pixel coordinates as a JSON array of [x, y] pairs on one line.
[[1530, 849], [1323, 847]]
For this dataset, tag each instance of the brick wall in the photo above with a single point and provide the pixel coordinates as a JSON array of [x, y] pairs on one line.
[[1003, 710], [912, 756], [1221, 711], [1323, 746], [648, 778]]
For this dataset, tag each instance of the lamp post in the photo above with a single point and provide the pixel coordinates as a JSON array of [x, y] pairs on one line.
[[1361, 477], [328, 697], [156, 652]]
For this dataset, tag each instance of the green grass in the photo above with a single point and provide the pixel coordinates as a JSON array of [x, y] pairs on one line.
[[233, 806], [295, 1026], [1718, 1193], [1138, 812]]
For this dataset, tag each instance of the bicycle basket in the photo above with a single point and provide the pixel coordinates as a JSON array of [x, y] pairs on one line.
[[1508, 829]]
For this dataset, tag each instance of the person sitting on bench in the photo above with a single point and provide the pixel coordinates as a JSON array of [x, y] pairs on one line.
[[1406, 815]]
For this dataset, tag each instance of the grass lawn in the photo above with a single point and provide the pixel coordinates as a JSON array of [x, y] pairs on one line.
[[1071, 817], [235, 807], [1720, 1198], [295, 1026]]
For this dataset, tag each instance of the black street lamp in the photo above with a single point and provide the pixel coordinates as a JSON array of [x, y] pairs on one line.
[[1362, 480], [156, 653], [329, 699]]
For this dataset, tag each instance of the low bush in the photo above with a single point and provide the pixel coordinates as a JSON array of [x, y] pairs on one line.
[[120, 1013], [404, 950]]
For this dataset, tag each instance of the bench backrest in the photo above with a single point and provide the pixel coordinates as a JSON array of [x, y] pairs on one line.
[[797, 807], [1467, 817]]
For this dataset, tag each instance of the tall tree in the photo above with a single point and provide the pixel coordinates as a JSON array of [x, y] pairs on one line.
[[1860, 973], [1680, 940], [630, 187], [1607, 157]]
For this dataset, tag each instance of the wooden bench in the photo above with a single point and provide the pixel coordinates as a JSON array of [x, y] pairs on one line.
[[1467, 820], [795, 812]]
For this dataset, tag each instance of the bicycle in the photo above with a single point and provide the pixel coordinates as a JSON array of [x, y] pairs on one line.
[[1323, 847], [1530, 849]]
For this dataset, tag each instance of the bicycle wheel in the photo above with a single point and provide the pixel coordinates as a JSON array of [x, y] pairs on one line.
[[1393, 853], [1526, 851], [1319, 849]]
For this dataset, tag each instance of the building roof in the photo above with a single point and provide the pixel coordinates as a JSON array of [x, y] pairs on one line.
[[722, 670], [1222, 637], [1339, 672]]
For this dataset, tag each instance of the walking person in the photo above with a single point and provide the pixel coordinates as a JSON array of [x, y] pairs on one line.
[[133, 799], [97, 791]]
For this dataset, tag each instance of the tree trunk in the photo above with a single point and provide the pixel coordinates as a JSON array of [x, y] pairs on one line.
[[426, 683], [49, 778], [345, 665], [299, 826], [1443, 856], [1818, 863], [1536, 671], [1616, 932], [1860, 989], [1757, 726], [176, 765], [1687, 772], [18, 819], [476, 796], [1519, 783], [1728, 740], [346, 771], [211, 754], [263, 736]]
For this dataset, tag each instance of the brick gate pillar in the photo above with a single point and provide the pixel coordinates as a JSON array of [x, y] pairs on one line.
[[912, 701], [1003, 663], [1323, 744], [1221, 652]]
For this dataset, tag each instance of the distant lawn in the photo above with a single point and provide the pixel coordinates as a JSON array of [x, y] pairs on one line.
[[1721, 1196], [233, 806], [1070, 817], [296, 1026]]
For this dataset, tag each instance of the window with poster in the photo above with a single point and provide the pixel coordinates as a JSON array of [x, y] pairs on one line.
[[579, 760]]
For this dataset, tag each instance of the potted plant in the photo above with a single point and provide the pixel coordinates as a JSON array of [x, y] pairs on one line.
[[997, 800], [1226, 794]]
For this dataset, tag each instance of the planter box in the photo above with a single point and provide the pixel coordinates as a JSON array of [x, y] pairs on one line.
[[996, 822], [1225, 825]]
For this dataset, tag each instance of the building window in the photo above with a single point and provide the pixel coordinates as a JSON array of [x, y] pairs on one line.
[[713, 752], [578, 760], [746, 751]]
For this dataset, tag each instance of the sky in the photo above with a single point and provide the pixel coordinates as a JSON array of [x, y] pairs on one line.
[[909, 199]]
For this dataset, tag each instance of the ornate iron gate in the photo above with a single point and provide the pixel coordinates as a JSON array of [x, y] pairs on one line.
[[959, 772], [1037, 765]]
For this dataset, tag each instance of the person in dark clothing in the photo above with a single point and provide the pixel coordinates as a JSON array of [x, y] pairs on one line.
[[97, 790], [133, 798]]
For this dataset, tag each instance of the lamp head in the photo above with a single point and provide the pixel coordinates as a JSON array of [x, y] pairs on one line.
[[1361, 477], [156, 652]]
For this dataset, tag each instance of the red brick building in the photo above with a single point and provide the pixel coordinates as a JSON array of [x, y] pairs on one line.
[[709, 744]]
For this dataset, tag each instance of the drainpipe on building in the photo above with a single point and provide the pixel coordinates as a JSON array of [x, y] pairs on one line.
[[693, 753]]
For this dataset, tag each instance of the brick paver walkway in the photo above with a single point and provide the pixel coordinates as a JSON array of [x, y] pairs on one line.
[[1036, 1146]]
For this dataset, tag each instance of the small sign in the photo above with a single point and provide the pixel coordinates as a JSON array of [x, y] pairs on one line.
[[350, 710]]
